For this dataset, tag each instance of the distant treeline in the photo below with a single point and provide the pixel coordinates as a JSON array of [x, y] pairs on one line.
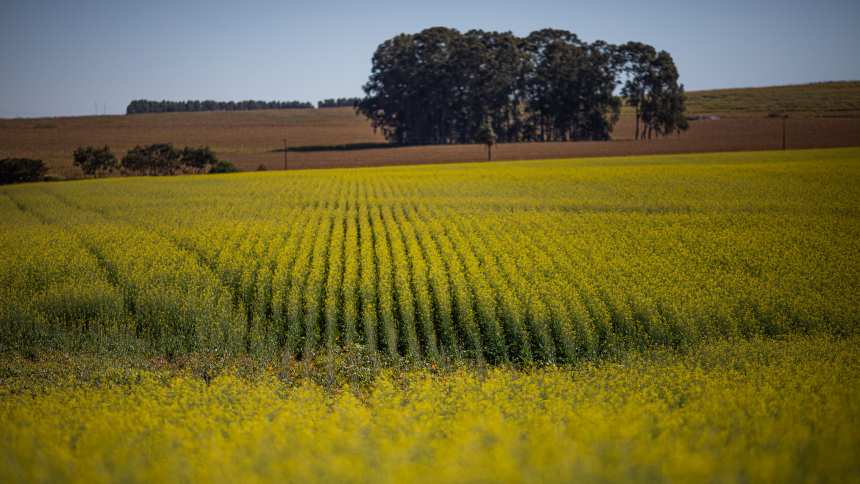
[[341, 102], [441, 86], [139, 106]]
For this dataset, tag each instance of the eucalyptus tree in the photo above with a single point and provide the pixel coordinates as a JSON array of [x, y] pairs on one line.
[[441, 86]]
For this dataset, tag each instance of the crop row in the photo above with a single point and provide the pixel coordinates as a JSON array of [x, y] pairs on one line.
[[522, 262]]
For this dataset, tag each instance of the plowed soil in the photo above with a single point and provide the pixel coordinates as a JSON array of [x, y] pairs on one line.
[[252, 139]]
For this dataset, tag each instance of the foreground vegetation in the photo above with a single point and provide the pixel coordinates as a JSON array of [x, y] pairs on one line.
[[745, 411], [686, 318], [510, 262]]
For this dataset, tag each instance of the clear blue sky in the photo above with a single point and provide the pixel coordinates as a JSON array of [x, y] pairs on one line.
[[61, 57]]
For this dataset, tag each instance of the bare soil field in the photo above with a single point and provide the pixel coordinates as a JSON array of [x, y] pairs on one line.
[[726, 134], [821, 116]]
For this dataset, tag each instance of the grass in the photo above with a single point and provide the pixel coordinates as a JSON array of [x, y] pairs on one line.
[[819, 99]]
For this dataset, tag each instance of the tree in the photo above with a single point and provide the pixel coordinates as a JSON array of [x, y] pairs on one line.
[[652, 89], [198, 159], [139, 106], [95, 161], [440, 86], [18, 170], [487, 136], [341, 102], [155, 159]]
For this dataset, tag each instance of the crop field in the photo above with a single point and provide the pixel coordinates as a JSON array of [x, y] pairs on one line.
[[657, 318], [822, 116], [749, 411], [820, 99], [527, 261]]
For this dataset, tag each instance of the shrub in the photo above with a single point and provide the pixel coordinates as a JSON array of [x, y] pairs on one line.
[[223, 166], [198, 159], [93, 161], [155, 159], [17, 170]]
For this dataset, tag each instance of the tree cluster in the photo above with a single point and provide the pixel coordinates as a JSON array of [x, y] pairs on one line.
[[139, 106], [341, 102], [442, 86], [650, 86], [154, 159], [19, 170]]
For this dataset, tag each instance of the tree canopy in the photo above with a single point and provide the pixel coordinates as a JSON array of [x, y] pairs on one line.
[[341, 102], [18, 170], [442, 86], [139, 106], [164, 159], [95, 161]]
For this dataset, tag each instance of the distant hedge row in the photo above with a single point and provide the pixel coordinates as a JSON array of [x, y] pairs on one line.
[[19, 170], [140, 106], [341, 102], [154, 159]]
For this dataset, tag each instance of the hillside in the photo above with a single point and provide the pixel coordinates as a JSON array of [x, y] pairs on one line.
[[818, 99], [236, 136], [823, 115]]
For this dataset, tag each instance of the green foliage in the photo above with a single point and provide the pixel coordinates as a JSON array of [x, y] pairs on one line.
[[164, 159], [198, 159], [18, 170], [652, 89], [155, 159], [223, 166], [95, 161], [139, 106], [440, 86], [341, 102]]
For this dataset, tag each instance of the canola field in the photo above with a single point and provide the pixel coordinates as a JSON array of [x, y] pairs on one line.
[[548, 261], [759, 410], [651, 319]]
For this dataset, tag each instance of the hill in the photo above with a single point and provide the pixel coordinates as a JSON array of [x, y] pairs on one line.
[[823, 115], [841, 98]]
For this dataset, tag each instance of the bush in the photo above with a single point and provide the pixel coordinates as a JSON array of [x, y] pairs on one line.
[[197, 159], [92, 160], [17, 170], [155, 159], [223, 166]]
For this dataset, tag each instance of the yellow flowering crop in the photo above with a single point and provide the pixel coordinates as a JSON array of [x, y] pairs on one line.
[[549, 261], [745, 411]]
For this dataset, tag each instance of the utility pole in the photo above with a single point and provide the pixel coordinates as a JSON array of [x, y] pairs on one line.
[[784, 121], [285, 154]]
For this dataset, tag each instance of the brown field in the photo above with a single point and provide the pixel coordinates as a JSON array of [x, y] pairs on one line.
[[822, 115]]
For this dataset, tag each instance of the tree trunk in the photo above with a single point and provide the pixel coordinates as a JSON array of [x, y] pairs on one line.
[[637, 123]]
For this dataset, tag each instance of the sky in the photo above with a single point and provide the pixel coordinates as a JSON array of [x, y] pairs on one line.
[[79, 57]]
